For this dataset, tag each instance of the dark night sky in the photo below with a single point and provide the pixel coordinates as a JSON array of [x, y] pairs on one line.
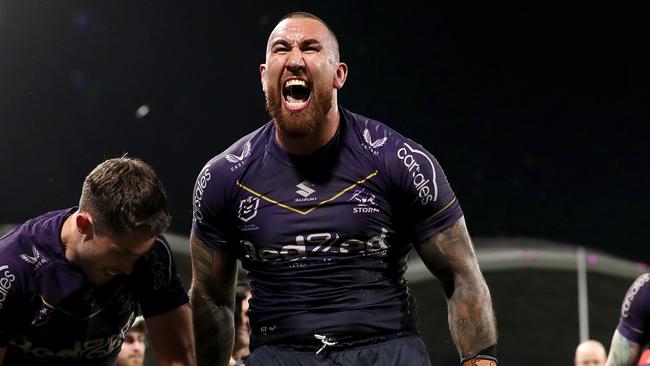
[[538, 114]]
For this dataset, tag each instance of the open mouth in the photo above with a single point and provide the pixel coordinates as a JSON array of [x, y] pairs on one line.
[[111, 272], [296, 93]]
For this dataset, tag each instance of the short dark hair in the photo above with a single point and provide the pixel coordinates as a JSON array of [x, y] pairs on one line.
[[125, 195], [304, 14]]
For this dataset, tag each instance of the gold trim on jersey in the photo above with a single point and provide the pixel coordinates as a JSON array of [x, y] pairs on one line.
[[253, 192]]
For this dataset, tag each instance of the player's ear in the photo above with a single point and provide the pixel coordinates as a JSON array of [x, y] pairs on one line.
[[263, 76], [340, 76], [84, 224]]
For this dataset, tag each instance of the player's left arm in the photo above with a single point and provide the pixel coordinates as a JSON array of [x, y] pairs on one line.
[[623, 352], [172, 336], [450, 256]]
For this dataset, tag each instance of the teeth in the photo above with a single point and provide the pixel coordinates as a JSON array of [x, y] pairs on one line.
[[295, 82]]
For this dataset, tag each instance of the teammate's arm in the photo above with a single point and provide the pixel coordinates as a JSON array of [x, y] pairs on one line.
[[3, 350], [450, 256], [214, 274], [171, 336], [623, 352]]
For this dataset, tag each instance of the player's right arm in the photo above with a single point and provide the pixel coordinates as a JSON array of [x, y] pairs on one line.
[[630, 335], [3, 350], [623, 352], [212, 294]]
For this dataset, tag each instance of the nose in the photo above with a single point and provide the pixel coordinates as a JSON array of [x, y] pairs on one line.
[[140, 346], [295, 60]]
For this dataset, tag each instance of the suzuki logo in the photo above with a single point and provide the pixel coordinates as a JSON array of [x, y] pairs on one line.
[[305, 188]]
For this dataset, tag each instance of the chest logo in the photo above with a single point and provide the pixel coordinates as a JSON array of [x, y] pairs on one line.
[[305, 188], [248, 208], [365, 202]]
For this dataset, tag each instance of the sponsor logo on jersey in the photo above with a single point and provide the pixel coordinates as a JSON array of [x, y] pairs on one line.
[[35, 258], [318, 244], [425, 186], [239, 160], [305, 189], [631, 293], [201, 183], [86, 349], [6, 280], [366, 202], [370, 144], [248, 208]]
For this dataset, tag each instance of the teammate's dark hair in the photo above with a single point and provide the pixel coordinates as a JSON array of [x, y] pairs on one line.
[[125, 195]]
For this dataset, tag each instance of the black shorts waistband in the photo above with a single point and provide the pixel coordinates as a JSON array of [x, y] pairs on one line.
[[337, 342]]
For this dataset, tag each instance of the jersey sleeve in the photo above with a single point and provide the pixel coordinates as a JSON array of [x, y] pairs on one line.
[[209, 219], [426, 203], [13, 300], [635, 311], [158, 286]]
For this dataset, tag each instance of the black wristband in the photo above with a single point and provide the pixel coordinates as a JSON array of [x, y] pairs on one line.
[[489, 353]]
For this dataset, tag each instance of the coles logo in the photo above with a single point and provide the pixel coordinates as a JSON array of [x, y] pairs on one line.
[[6, 280], [424, 184], [199, 189]]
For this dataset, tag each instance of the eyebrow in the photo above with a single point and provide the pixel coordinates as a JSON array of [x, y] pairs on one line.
[[305, 42]]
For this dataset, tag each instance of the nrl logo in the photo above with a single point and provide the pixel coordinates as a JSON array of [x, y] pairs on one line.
[[248, 208], [35, 259], [246, 151], [373, 144]]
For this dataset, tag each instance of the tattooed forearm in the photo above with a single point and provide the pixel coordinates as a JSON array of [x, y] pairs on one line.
[[623, 352], [212, 299], [450, 256]]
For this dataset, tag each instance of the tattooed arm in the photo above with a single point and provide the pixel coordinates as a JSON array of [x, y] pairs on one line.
[[214, 273], [450, 256], [623, 352]]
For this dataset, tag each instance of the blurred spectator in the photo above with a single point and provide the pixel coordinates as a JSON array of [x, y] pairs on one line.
[[241, 349], [590, 353], [134, 345]]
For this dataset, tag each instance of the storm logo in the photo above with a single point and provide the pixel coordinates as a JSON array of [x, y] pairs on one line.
[[248, 208], [426, 187]]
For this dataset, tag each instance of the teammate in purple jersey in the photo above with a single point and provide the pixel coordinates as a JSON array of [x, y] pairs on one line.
[[73, 281], [632, 335], [322, 206]]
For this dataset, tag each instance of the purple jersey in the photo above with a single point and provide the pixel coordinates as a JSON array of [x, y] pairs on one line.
[[634, 323], [51, 314], [324, 237]]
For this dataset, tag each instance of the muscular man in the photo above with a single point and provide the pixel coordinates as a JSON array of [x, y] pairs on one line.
[[323, 206], [73, 280], [632, 333]]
